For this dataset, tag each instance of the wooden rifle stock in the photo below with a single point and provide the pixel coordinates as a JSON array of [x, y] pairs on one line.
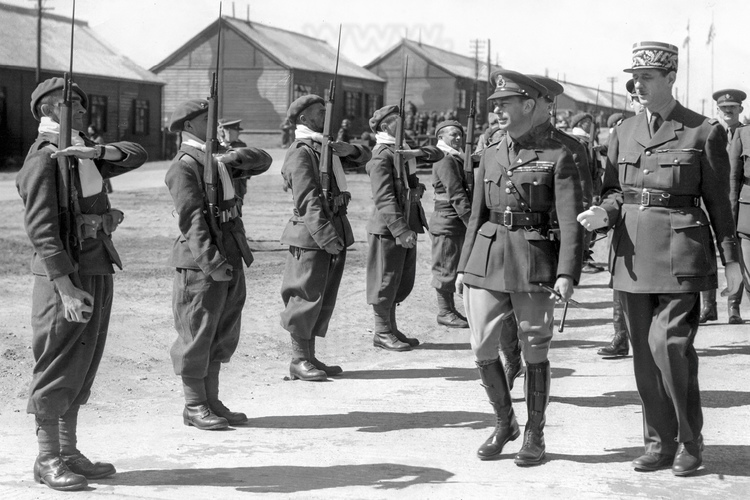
[[468, 162], [326, 153]]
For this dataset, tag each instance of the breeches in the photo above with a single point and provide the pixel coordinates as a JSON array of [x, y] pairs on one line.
[[390, 270], [662, 329], [66, 354], [207, 317], [309, 289], [446, 252], [486, 310]]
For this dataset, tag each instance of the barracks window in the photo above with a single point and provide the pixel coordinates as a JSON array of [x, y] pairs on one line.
[[98, 112], [353, 107], [140, 117], [373, 103], [461, 98]]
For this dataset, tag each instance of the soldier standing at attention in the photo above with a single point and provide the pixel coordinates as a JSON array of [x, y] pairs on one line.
[[229, 135], [392, 253], [209, 282], [729, 106], [509, 254], [739, 197], [448, 221], [318, 235], [69, 319], [660, 165]]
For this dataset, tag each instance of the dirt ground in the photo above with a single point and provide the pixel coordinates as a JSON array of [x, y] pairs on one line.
[[394, 425]]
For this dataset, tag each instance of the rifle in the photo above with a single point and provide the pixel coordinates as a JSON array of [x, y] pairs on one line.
[[210, 165], [468, 162], [592, 150], [402, 171], [326, 154]]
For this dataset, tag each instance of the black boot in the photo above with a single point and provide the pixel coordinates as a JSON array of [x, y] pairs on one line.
[[506, 428], [197, 413], [212, 394], [619, 345], [301, 367], [49, 468], [73, 458], [708, 311], [510, 350], [398, 333], [537, 396], [733, 307], [331, 371], [447, 316]]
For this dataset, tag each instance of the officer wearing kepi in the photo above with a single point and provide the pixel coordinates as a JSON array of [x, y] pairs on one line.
[[209, 281], [73, 289], [660, 165], [510, 255]]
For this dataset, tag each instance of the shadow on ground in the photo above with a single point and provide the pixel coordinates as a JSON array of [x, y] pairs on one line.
[[709, 399]]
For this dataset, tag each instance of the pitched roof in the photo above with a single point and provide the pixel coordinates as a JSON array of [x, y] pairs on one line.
[[455, 64], [92, 56], [598, 97]]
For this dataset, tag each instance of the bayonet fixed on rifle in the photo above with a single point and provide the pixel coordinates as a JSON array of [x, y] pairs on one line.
[[326, 154], [469, 146], [210, 165], [402, 170]]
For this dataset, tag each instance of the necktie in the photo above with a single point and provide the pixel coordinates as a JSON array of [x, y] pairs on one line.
[[654, 124]]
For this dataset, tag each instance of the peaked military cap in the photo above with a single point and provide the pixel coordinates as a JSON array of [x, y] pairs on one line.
[[226, 123], [302, 103], [380, 114], [51, 85], [187, 111], [554, 88], [512, 83], [729, 96], [448, 123], [653, 55]]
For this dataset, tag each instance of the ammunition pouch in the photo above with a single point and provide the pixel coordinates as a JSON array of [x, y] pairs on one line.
[[89, 225], [340, 200]]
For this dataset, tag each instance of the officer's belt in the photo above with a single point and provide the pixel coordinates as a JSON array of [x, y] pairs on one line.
[[746, 181], [519, 219], [658, 199]]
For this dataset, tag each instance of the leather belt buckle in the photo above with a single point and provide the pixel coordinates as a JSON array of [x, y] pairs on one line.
[[507, 219], [645, 198]]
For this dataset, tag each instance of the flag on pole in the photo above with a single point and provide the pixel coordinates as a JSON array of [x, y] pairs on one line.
[[687, 36], [711, 34]]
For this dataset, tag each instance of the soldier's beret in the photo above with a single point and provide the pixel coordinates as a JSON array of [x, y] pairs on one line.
[[578, 118], [653, 55], [512, 83], [380, 114], [554, 88], [187, 111], [227, 123], [729, 96], [630, 86], [448, 123], [301, 104], [51, 85], [614, 119]]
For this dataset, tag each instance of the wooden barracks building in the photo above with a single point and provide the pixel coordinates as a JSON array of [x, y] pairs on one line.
[[124, 99], [262, 70]]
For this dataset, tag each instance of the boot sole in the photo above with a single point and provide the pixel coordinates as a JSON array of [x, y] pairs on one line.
[[72, 487], [399, 349], [529, 463], [215, 427], [309, 379]]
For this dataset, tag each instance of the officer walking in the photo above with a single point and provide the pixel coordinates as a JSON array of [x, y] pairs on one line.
[[739, 197], [510, 255], [660, 165]]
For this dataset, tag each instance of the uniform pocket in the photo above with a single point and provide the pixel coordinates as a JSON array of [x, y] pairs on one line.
[[628, 167], [678, 169], [480, 251], [691, 247], [542, 258], [539, 190]]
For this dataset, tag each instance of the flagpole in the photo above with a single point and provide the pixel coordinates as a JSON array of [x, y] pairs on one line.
[[687, 85]]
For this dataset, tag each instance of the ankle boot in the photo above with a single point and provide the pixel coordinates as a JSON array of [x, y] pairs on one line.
[[212, 395], [52, 471], [708, 311], [330, 371], [447, 316], [537, 396], [619, 345], [398, 333], [506, 427], [510, 350], [733, 307], [200, 416], [301, 367]]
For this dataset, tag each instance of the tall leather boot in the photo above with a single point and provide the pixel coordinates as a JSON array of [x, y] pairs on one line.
[[398, 333], [197, 412], [619, 346], [510, 350], [384, 335], [506, 429], [212, 395], [49, 467], [733, 307], [330, 371], [708, 311], [301, 367], [537, 396], [446, 314]]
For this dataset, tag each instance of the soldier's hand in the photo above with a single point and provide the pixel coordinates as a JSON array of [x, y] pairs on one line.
[[410, 154], [593, 218], [341, 148], [407, 239], [460, 284], [733, 273], [82, 152], [334, 247], [563, 286], [222, 273], [77, 304]]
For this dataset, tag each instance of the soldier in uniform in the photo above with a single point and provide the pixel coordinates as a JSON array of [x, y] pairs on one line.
[[448, 221], [318, 235], [510, 254], [72, 296], [392, 253], [660, 165], [739, 195], [229, 136], [209, 282], [729, 106]]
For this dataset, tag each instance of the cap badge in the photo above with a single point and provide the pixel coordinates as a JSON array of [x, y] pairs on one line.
[[500, 81]]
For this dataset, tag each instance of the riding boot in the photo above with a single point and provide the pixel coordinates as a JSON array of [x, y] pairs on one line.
[[537, 396], [619, 345], [331, 371], [447, 316], [506, 428], [510, 350], [733, 307], [301, 366], [708, 311], [398, 333], [212, 394]]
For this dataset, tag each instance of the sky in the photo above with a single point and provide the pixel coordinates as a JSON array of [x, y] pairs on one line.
[[583, 41]]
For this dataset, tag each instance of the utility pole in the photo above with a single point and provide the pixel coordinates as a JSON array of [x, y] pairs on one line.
[[476, 46], [39, 10], [612, 80]]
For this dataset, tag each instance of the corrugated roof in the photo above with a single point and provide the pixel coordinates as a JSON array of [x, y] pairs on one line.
[[92, 56], [589, 95]]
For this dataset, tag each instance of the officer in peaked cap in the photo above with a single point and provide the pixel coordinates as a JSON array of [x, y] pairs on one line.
[[661, 165], [511, 253]]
